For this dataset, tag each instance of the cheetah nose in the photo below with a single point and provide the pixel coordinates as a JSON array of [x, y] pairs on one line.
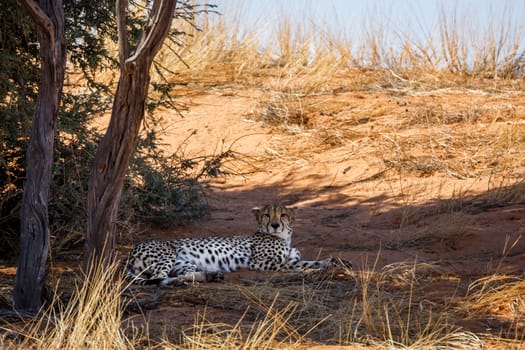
[[275, 225]]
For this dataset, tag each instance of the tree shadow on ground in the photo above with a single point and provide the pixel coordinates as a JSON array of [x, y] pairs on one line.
[[481, 227]]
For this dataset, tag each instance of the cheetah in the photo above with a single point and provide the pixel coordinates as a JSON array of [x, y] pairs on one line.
[[206, 259]]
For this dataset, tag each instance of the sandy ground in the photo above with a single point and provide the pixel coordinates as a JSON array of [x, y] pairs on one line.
[[348, 206], [345, 207]]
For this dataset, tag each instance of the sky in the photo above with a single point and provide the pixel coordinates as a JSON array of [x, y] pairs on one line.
[[350, 19], [345, 14]]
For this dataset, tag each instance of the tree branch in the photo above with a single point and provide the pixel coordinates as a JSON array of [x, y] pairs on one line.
[[41, 19], [156, 30], [123, 44]]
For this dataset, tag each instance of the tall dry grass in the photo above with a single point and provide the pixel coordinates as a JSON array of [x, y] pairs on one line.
[[369, 308], [298, 61], [307, 54], [271, 332], [90, 319], [383, 308]]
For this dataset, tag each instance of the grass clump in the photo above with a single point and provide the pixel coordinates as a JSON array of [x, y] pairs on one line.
[[271, 332], [287, 109], [497, 295], [90, 319]]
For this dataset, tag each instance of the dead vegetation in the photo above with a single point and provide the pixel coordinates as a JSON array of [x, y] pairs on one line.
[[408, 305]]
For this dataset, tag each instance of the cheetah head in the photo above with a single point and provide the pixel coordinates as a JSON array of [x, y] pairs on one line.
[[275, 219]]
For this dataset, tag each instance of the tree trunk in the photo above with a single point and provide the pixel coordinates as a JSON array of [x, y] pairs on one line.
[[116, 148], [34, 235], [111, 163]]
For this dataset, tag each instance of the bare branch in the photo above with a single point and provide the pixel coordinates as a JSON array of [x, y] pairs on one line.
[[41, 19], [156, 30], [123, 44]]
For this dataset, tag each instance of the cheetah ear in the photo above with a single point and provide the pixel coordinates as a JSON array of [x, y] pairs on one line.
[[292, 211], [257, 213]]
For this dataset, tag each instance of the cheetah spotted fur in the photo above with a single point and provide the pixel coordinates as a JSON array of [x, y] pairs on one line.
[[206, 259]]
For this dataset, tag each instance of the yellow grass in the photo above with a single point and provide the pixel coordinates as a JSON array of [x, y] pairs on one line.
[[385, 309], [91, 318], [272, 332], [305, 56]]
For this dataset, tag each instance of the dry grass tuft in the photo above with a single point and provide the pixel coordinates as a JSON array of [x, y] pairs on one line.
[[499, 301], [91, 319], [394, 311], [288, 109], [497, 295], [271, 332]]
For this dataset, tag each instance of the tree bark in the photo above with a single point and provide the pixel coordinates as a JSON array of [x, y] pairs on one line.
[[116, 147], [34, 235]]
